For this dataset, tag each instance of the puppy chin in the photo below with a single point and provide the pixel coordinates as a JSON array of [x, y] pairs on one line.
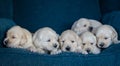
[[105, 46], [12, 46]]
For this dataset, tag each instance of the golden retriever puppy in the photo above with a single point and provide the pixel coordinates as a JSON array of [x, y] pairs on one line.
[[84, 24], [70, 41], [46, 41], [106, 35], [89, 43], [18, 37]]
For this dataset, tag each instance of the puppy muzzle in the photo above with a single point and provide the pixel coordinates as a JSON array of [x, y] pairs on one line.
[[90, 29], [101, 45], [55, 45], [88, 50], [68, 48]]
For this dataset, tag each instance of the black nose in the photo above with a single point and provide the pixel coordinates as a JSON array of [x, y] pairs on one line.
[[88, 50], [101, 45], [90, 29], [67, 48], [55, 45]]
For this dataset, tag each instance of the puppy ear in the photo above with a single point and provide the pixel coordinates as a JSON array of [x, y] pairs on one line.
[[79, 44], [74, 25], [79, 41], [59, 41], [58, 36], [26, 37], [114, 36], [23, 40]]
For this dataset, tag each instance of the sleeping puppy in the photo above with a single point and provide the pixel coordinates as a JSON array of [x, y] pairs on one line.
[[46, 41], [106, 35], [18, 37], [84, 24], [89, 43], [94, 25], [70, 41]]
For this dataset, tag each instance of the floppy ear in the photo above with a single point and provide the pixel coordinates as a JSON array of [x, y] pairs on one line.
[[23, 40], [74, 25], [59, 41], [26, 37], [79, 44], [57, 36], [114, 36], [79, 41]]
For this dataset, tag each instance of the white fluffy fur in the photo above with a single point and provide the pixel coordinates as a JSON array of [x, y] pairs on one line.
[[89, 43], [106, 35], [18, 37], [84, 24], [44, 39], [70, 39]]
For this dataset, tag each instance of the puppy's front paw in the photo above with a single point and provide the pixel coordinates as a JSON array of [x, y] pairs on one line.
[[79, 49], [32, 49], [96, 51], [56, 52], [40, 51], [117, 42], [84, 52]]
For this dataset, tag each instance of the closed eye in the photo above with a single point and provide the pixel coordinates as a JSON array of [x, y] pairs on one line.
[[63, 41], [83, 43], [84, 25], [106, 38], [13, 37], [48, 40], [91, 43], [72, 41]]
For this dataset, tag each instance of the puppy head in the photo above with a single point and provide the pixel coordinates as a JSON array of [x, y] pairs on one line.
[[46, 39], [106, 35], [81, 25], [69, 41], [88, 42], [15, 37]]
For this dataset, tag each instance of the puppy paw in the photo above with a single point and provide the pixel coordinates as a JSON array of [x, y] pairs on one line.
[[84, 52], [78, 49], [56, 52], [32, 49], [96, 51], [40, 51]]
